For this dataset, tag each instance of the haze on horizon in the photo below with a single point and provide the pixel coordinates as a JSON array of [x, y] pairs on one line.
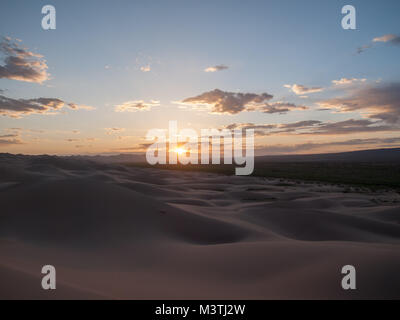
[[111, 71]]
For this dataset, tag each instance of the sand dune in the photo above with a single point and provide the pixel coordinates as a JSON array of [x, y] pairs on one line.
[[114, 231]]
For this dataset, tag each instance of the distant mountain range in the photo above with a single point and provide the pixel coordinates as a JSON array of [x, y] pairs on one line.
[[376, 155]]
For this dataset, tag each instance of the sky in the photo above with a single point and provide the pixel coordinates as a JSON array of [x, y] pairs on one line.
[[113, 70]]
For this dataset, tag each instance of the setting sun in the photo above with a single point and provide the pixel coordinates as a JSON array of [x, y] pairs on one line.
[[180, 150]]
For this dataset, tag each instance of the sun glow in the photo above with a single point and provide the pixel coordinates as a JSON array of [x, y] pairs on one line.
[[180, 150]]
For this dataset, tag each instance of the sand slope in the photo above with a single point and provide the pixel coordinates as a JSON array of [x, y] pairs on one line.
[[118, 232]]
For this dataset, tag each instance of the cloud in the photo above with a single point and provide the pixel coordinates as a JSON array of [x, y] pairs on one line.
[[10, 139], [229, 102], [114, 130], [350, 126], [363, 48], [391, 38], [279, 107], [300, 124], [347, 81], [75, 106], [301, 90], [8, 136], [316, 127], [23, 130], [380, 102], [245, 126], [141, 147], [296, 148], [78, 146], [21, 64], [270, 129], [137, 105], [146, 68], [216, 68], [387, 38], [17, 107]]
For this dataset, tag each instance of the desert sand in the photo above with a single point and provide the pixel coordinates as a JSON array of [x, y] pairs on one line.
[[119, 232]]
